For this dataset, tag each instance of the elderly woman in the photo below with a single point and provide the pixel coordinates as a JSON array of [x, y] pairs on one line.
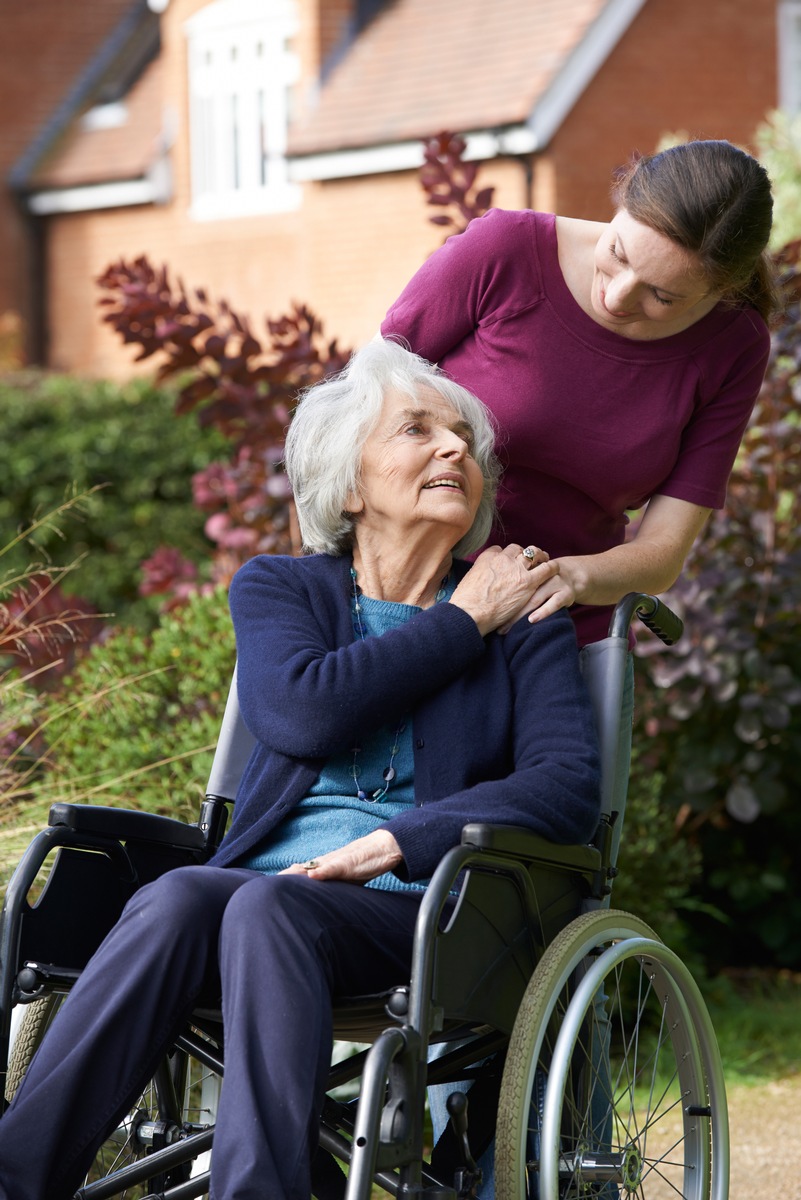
[[388, 713]]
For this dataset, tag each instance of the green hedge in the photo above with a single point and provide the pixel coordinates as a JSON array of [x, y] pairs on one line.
[[139, 699], [62, 435]]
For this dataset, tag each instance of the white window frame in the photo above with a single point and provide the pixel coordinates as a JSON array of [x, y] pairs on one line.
[[241, 68], [789, 56]]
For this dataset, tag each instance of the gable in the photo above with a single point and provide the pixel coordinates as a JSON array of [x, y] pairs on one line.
[[461, 65]]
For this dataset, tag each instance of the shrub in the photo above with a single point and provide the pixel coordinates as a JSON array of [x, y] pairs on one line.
[[62, 435], [40, 630], [778, 140], [235, 383], [721, 712], [657, 870], [137, 719]]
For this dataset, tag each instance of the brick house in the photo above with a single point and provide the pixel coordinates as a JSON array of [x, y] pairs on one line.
[[268, 149]]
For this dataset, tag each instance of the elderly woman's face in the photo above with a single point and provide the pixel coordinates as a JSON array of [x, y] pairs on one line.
[[417, 466]]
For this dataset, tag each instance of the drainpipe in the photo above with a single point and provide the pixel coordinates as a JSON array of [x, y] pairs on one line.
[[527, 164], [36, 319]]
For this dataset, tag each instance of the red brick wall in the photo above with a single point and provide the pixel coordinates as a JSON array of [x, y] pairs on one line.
[[708, 69], [36, 72]]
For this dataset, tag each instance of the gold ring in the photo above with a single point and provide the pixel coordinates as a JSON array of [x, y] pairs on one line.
[[530, 552]]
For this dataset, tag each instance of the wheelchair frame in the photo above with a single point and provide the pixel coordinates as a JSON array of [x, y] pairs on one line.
[[543, 947]]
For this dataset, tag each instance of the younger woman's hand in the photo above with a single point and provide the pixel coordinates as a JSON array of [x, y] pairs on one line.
[[554, 593], [357, 862], [499, 586]]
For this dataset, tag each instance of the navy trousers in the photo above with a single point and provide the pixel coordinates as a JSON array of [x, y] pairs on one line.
[[276, 949]]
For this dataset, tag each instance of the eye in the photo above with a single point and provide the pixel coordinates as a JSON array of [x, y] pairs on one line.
[[414, 428], [661, 299], [614, 253]]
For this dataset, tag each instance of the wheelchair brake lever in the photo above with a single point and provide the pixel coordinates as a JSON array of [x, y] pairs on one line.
[[468, 1176]]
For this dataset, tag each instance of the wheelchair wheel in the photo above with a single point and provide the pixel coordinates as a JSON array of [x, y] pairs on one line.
[[32, 1028], [181, 1098], [613, 1085]]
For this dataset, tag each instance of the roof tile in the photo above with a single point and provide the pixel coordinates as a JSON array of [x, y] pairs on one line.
[[126, 151], [426, 65]]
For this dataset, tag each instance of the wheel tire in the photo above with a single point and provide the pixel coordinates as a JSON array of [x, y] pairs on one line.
[[159, 1101], [577, 1123], [32, 1028]]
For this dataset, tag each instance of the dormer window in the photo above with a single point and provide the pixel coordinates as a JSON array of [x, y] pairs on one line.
[[105, 116], [242, 68]]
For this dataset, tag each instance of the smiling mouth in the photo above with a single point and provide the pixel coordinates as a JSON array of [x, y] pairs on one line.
[[453, 484]]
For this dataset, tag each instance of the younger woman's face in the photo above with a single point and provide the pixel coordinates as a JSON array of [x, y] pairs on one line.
[[644, 284]]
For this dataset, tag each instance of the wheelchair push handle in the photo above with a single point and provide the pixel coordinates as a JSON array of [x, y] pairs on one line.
[[653, 613]]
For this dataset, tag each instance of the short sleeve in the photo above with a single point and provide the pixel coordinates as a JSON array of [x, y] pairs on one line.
[[475, 277], [712, 438]]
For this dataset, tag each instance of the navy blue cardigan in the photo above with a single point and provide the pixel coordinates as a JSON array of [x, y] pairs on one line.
[[502, 726]]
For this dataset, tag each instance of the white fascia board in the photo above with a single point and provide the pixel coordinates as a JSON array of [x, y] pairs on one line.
[[94, 196], [580, 68], [404, 156]]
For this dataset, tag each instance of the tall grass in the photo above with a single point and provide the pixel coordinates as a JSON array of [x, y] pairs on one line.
[[756, 1020], [37, 635]]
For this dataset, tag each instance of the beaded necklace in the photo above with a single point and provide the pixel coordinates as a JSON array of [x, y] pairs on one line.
[[389, 773]]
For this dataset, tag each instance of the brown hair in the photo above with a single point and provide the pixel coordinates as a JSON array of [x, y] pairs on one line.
[[714, 200]]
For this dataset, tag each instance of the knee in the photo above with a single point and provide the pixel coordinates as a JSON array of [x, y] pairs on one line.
[[274, 908], [176, 900]]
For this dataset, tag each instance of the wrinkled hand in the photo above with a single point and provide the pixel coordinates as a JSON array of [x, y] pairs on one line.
[[499, 587], [357, 862], [555, 593]]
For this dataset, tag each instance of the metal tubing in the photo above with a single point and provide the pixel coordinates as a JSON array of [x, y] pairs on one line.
[[146, 1168], [386, 1049]]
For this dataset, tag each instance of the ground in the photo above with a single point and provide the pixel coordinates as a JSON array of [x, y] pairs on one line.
[[765, 1141]]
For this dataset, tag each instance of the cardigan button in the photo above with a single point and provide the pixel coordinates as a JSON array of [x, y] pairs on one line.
[[420, 743]]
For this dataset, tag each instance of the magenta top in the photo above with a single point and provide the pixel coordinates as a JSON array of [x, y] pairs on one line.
[[591, 423]]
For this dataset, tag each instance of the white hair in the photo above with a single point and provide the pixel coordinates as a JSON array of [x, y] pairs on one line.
[[334, 419]]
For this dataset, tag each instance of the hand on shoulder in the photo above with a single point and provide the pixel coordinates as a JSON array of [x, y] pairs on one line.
[[499, 586]]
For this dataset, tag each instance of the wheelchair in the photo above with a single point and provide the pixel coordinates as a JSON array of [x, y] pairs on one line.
[[566, 1032]]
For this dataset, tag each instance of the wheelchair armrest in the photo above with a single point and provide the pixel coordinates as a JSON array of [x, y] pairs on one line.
[[125, 824], [520, 843]]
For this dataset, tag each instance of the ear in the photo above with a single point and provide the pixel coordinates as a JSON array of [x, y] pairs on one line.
[[354, 504]]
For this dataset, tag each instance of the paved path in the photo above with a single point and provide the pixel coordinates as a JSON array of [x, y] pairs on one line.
[[766, 1141]]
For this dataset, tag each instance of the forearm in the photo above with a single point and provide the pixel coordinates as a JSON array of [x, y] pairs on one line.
[[605, 578], [651, 562]]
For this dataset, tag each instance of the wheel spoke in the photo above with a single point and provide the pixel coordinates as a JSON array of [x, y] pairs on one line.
[[608, 1025]]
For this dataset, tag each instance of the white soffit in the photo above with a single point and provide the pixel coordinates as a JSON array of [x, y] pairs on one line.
[[404, 156], [95, 196]]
